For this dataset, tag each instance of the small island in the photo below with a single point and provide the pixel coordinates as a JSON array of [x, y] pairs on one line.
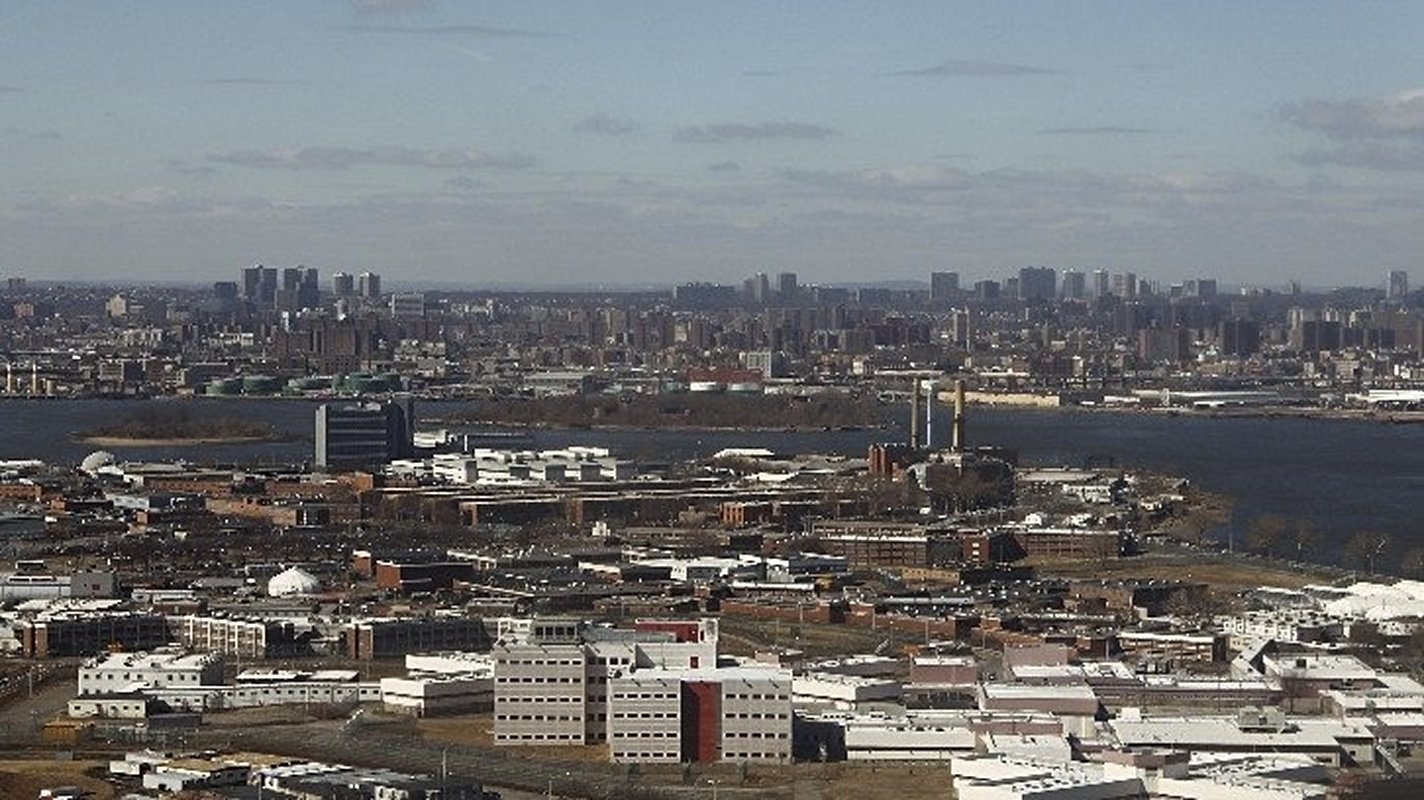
[[169, 425]]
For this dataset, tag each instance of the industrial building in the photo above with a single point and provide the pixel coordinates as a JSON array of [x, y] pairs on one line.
[[363, 435]]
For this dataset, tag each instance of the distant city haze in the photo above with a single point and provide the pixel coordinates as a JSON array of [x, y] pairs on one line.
[[642, 143]]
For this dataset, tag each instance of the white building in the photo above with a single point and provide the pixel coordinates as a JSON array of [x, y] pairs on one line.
[[118, 673], [645, 717], [540, 694], [1140, 774], [843, 691], [551, 676], [755, 712]]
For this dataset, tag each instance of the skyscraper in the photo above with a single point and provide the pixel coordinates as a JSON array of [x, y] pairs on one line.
[[370, 285], [1398, 284], [943, 286], [786, 288], [1038, 283], [1075, 285], [343, 284], [1102, 283]]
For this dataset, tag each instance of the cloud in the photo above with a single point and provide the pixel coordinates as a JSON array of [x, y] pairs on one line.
[[875, 181], [955, 68], [478, 31], [245, 81], [390, 6], [1101, 130], [1384, 133], [736, 131], [150, 200], [49, 135], [1397, 116], [606, 125], [725, 166], [762, 73], [341, 158], [5, 89], [464, 182], [1385, 156]]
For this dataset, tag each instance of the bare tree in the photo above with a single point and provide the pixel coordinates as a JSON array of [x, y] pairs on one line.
[[1266, 534], [1364, 549], [1306, 539]]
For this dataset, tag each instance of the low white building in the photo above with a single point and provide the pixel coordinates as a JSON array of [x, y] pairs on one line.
[[843, 691], [127, 672], [1138, 774]]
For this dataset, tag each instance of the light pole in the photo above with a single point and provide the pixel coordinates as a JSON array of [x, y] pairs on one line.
[[714, 782]]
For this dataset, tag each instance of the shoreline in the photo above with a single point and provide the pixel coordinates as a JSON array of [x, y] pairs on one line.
[[121, 441]]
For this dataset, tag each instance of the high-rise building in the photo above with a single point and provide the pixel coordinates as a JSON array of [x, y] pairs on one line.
[[1205, 288], [369, 284], [1102, 283], [1075, 285], [1239, 337], [1398, 284], [364, 435], [943, 286], [343, 284], [251, 283], [786, 287], [961, 328], [1037, 283], [757, 288], [1124, 285]]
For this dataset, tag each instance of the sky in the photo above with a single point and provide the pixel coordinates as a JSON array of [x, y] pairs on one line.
[[543, 143]]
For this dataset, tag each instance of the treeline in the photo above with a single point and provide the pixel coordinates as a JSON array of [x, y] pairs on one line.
[[165, 421], [679, 411]]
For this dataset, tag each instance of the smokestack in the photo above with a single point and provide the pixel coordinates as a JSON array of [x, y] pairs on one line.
[[915, 415], [958, 431]]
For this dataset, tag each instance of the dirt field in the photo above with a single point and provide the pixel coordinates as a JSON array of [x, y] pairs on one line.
[[744, 635], [1226, 573], [25, 779], [477, 730]]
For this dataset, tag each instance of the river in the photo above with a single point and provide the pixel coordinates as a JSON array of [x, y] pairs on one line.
[[1345, 476]]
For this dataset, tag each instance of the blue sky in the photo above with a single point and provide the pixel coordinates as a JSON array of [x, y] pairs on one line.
[[557, 143]]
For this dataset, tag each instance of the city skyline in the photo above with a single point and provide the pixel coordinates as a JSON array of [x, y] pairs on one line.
[[568, 144]]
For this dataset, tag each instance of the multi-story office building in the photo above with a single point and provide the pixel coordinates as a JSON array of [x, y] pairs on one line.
[[1398, 284], [786, 287], [1037, 283], [1075, 285], [1102, 283], [369, 285], [343, 284], [259, 285], [943, 286], [351, 436], [1124, 285]]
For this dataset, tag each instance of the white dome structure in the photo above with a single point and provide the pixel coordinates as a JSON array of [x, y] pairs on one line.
[[97, 460], [293, 581]]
